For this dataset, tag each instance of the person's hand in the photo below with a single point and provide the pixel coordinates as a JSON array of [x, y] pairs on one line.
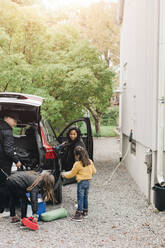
[[18, 164], [35, 218]]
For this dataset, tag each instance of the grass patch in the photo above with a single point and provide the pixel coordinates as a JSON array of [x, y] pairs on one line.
[[105, 131]]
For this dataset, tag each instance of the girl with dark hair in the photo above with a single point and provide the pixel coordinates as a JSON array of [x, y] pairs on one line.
[[20, 183], [83, 169], [73, 140]]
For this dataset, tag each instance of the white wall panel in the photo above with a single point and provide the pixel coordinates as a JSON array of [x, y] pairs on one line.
[[137, 68], [135, 165]]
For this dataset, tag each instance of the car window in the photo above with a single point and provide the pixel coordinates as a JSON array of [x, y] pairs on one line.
[[50, 135], [18, 130]]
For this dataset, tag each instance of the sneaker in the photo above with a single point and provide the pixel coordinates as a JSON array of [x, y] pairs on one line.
[[15, 219], [78, 216], [85, 214]]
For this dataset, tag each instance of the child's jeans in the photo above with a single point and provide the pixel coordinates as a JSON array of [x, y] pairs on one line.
[[82, 194]]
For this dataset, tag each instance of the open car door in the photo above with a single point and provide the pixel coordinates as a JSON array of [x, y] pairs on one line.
[[85, 127]]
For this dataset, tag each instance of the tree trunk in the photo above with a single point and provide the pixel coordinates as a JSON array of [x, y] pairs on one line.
[[97, 118], [5, 88], [97, 126]]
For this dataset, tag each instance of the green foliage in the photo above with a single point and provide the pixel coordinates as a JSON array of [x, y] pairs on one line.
[[52, 61], [105, 131], [63, 36], [110, 117]]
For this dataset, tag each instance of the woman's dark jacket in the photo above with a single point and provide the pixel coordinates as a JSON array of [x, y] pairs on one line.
[[20, 181], [68, 157], [7, 156]]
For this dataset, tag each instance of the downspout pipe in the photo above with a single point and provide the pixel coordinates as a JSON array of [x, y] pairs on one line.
[[161, 95], [119, 21], [120, 12]]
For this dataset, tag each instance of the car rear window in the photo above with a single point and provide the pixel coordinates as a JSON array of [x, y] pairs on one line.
[[50, 134]]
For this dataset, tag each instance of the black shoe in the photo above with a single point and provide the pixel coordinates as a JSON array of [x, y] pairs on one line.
[[85, 214], [1, 210], [78, 216]]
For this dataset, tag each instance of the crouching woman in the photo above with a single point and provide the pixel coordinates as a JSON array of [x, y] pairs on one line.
[[20, 183]]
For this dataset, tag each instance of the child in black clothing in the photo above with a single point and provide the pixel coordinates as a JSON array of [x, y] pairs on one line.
[[73, 140]]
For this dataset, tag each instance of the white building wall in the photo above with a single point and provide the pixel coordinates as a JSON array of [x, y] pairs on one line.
[[139, 39], [135, 165], [137, 68]]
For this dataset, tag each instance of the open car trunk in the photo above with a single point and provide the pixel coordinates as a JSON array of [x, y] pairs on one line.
[[26, 134], [26, 106], [27, 148]]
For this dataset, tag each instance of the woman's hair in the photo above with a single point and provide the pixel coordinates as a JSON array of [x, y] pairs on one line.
[[80, 152], [77, 130], [47, 183]]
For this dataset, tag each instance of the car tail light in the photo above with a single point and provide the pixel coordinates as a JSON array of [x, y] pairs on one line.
[[50, 153]]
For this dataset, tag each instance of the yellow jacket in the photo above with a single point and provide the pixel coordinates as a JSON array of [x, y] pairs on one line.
[[81, 173]]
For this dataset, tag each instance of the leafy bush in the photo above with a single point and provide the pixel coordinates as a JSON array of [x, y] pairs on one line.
[[110, 117]]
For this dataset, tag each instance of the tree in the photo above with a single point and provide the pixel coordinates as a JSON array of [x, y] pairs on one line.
[[54, 62], [97, 23], [91, 80]]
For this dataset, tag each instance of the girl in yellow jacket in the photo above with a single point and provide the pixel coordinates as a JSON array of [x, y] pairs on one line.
[[83, 169]]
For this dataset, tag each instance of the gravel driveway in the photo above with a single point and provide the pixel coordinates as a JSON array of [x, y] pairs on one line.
[[118, 213]]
